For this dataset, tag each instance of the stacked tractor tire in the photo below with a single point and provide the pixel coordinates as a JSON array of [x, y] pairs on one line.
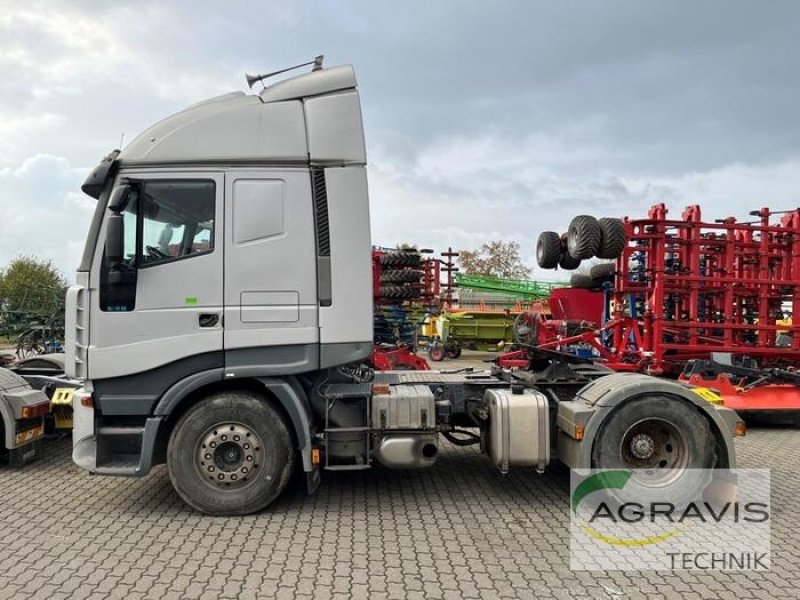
[[401, 276], [585, 238]]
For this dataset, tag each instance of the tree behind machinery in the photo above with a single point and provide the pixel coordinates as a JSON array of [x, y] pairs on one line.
[[496, 258], [30, 288]]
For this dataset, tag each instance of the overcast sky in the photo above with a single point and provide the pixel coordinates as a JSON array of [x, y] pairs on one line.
[[484, 120]]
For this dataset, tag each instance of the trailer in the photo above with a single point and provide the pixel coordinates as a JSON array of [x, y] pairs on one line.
[[223, 310], [35, 400]]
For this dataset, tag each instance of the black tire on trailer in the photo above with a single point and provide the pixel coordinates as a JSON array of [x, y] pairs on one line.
[[548, 250], [230, 454], [579, 280], [583, 237], [602, 271], [567, 262], [665, 440], [612, 239]]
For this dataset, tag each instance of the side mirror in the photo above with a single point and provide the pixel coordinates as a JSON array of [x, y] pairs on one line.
[[119, 198], [115, 239], [97, 179]]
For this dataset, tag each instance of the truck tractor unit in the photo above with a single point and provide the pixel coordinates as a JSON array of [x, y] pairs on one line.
[[223, 311]]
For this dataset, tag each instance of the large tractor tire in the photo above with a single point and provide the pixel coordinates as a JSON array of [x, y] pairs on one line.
[[231, 454], [548, 250], [667, 444], [401, 276], [612, 240], [583, 237], [399, 292], [603, 270], [579, 280], [399, 260], [567, 262]]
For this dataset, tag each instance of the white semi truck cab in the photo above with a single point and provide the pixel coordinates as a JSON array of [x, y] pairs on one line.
[[223, 306]]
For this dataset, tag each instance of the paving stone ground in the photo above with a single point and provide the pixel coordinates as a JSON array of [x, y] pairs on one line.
[[458, 530]]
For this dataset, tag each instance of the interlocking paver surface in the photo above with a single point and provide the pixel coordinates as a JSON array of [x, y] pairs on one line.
[[458, 530]]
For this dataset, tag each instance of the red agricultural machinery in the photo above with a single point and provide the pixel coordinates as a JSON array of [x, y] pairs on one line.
[[684, 290], [405, 287]]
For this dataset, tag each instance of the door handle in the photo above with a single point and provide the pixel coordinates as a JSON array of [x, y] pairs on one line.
[[208, 319]]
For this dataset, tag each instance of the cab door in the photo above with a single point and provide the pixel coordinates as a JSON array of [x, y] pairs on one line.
[[271, 307], [160, 317]]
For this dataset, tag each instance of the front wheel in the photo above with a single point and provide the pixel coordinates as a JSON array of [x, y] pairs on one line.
[[231, 454], [665, 442]]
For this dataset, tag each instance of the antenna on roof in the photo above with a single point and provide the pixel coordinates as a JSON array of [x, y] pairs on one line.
[[317, 62]]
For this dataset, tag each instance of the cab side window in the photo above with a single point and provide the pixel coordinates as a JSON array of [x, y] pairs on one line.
[[177, 220]]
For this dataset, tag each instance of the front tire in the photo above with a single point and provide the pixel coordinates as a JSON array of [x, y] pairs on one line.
[[230, 454]]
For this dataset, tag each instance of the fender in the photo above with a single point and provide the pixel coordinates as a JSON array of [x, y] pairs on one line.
[[595, 402], [293, 399], [287, 391], [7, 425]]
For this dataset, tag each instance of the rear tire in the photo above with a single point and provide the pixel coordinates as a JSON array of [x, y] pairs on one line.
[[583, 237], [666, 441], [231, 454], [548, 250]]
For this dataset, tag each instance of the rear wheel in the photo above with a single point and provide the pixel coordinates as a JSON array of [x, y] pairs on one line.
[[667, 444], [231, 454]]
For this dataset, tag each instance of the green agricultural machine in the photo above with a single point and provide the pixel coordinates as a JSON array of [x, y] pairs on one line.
[[480, 328]]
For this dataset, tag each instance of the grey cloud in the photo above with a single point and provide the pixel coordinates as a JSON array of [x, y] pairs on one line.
[[483, 119]]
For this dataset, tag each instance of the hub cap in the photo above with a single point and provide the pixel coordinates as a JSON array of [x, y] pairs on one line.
[[229, 455], [657, 449]]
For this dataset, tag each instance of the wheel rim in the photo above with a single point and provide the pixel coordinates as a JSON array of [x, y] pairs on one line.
[[657, 449], [229, 456], [572, 240]]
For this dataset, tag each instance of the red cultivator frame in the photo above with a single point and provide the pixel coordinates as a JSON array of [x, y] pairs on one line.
[[686, 288]]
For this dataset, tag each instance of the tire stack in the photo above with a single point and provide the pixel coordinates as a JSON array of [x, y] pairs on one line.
[[401, 276], [586, 237], [599, 275]]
